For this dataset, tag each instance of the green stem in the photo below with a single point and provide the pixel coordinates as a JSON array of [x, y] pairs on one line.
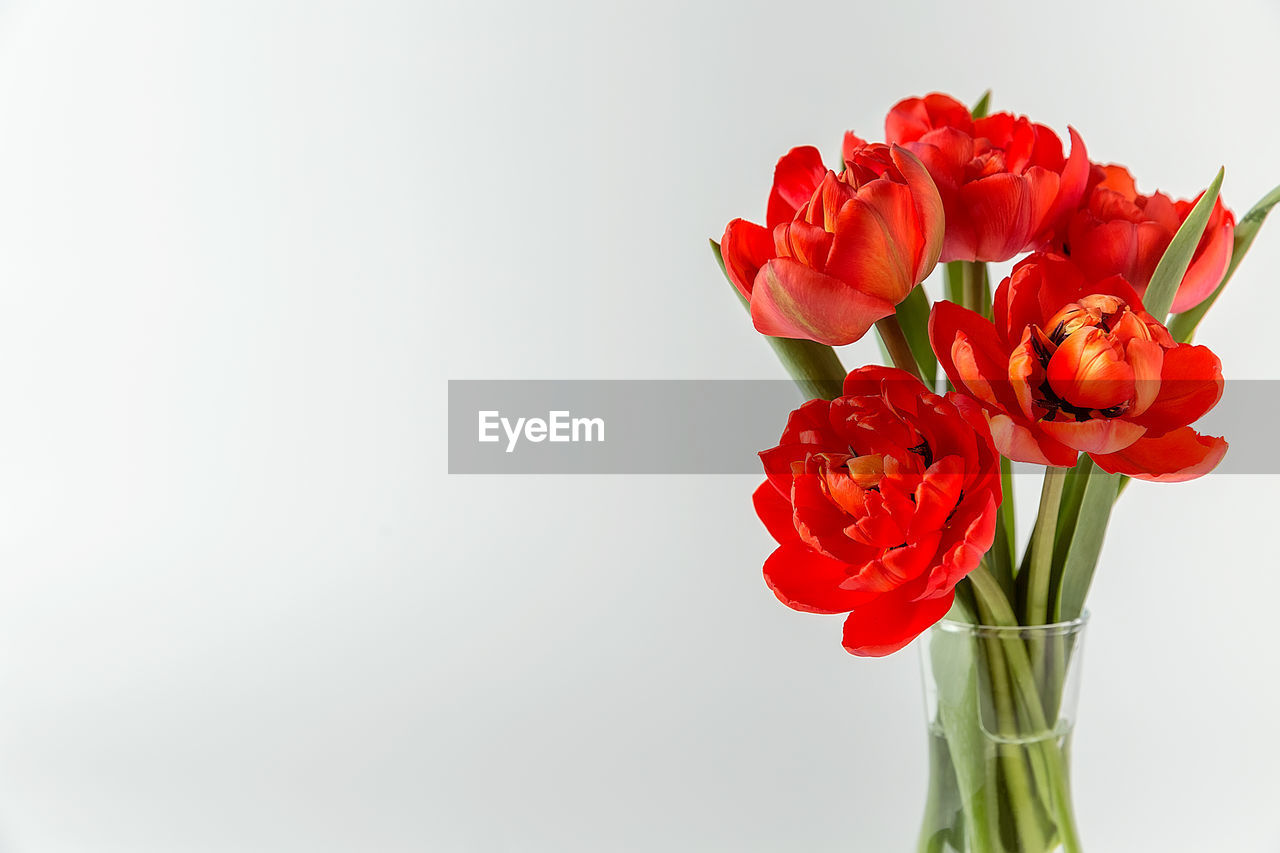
[[895, 340], [973, 288], [1006, 489], [997, 611], [1022, 796], [815, 368], [1040, 571], [1002, 551]]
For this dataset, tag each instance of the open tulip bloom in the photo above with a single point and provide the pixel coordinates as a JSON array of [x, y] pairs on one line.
[[889, 494]]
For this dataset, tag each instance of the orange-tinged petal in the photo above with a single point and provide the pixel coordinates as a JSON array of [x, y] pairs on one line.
[[866, 471], [1174, 457], [1089, 370], [1117, 179], [950, 324], [1147, 360], [1022, 444], [1096, 435], [1026, 373]]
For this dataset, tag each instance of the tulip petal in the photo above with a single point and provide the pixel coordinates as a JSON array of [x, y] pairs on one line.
[[1147, 360], [792, 301], [1089, 371], [1174, 457], [851, 146], [971, 544], [805, 580], [865, 252], [997, 210], [774, 510], [1206, 270], [811, 424], [911, 118], [745, 247], [1041, 188], [1026, 373], [1022, 444], [928, 206], [912, 559], [797, 175], [873, 380], [822, 525], [969, 351], [1075, 179], [938, 494], [1096, 435], [1190, 385], [890, 622], [1057, 283], [1105, 248]]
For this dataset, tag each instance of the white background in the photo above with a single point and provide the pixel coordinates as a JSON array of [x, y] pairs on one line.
[[243, 245]]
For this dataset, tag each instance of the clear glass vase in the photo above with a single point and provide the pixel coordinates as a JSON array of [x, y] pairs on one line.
[[1000, 705]]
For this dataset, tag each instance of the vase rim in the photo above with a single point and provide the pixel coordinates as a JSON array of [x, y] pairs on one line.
[[1064, 626]]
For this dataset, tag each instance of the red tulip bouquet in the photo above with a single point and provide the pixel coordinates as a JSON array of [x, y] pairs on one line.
[[889, 492]]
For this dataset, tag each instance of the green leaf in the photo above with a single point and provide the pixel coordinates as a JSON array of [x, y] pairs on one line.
[[984, 103], [1069, 510], [1173, 266], [814, 367], [1005, 545], [715, 250], [1099, 496], [913, 316], [955, 674], [1183, 326]]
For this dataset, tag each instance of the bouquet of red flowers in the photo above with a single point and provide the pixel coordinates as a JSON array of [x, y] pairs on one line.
[[889, 493]]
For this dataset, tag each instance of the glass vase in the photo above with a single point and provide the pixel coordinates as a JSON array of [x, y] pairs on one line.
[[1000, 705]]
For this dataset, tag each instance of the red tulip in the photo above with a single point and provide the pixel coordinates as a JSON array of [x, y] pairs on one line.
[[881, 501], [1076, 365], [1117, 230], [839, 251], [1004, 182]]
